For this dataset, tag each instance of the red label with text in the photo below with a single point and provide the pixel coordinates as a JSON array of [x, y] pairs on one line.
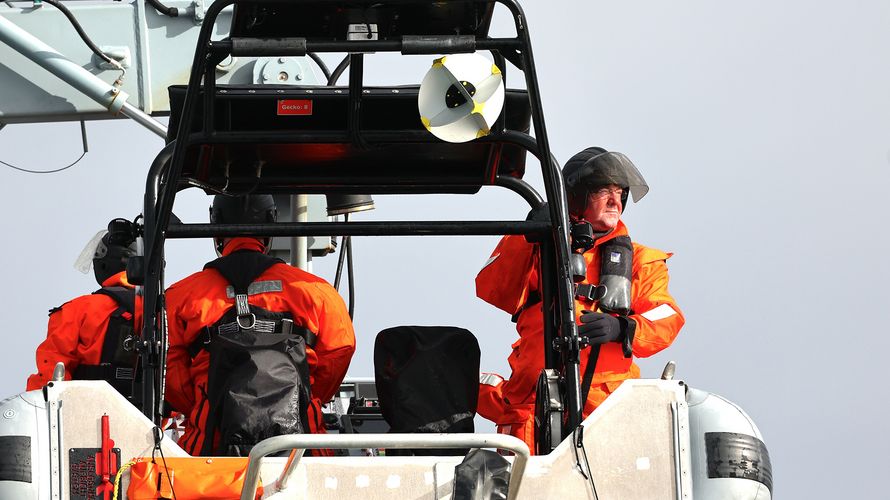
[[295, 107]]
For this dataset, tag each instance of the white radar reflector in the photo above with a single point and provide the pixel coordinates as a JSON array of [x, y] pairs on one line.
[[460, 97]]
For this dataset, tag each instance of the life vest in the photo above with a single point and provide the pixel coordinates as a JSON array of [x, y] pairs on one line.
[[258, 377], [117, 363]]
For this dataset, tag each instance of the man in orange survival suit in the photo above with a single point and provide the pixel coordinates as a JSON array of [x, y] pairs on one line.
[[597, 184], [203, 307], [93, 334]]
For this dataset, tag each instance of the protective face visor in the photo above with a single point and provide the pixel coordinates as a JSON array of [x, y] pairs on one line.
[[84, 261], [605, 169]]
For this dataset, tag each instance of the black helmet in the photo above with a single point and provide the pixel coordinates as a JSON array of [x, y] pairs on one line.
[[594, 168], [115, 248], [243, 209]]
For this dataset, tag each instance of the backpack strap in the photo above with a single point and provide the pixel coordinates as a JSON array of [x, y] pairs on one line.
[[120, 323], [116, 363], [241, 269], [125, 297]]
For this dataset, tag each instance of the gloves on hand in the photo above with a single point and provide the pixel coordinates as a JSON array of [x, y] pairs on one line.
[[540, 214], [602, 328], [599, 328]]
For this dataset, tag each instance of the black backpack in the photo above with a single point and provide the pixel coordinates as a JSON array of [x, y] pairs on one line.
[[258, 379], [117, 363]]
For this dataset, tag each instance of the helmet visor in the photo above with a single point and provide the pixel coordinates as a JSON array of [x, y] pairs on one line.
[[605, 169], [85, 260]]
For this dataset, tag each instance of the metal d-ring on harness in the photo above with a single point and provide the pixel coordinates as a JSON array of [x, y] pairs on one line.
[[240, 269], [242, 309]]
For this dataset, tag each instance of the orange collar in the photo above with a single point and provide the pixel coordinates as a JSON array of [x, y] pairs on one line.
[[119, 279], [243, 243]]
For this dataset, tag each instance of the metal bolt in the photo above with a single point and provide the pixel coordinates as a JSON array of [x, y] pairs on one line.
[[281, 60], [9, 413]]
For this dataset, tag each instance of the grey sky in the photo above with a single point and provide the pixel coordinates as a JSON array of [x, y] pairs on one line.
[[763, 129]]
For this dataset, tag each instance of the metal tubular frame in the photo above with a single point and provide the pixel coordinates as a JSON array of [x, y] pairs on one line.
[[557, 282], [362, 46], [106, 95], [376, 228], [298, 443], [521, 188], [150, 348]]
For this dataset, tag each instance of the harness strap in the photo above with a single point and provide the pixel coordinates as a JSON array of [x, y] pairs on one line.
[[105, 371], [592, 358], [125, 297], [590, 292], [119, 339], [533, 298], [241, 268], [285, 326], [582, 291]]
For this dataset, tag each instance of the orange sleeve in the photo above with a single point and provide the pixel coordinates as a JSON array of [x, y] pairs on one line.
[[179, 390], [504, 280], [62, 335], [656, 313], [335, 343]]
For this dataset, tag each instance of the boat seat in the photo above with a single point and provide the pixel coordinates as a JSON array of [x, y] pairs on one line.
[[427, 380]]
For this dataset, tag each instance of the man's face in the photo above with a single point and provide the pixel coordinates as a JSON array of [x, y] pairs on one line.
[[603, 208]]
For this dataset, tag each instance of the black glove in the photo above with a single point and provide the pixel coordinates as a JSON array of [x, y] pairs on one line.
[[540, 214], [602, 328], [599, 328]]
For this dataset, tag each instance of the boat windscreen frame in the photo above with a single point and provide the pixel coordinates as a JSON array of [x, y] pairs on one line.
[[560, 331]]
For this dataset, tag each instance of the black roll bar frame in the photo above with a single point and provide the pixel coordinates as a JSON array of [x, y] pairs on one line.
[[560, 335]]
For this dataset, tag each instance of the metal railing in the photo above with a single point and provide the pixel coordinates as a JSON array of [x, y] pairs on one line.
[[299, 443]]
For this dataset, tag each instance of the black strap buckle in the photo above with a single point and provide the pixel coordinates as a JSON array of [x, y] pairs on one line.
[[590, 292]]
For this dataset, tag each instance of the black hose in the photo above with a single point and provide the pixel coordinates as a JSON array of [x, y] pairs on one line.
[[340, 261], [341, 258], [338, 71], [350, 277], [321, 64], [83, 35], [163, 9]]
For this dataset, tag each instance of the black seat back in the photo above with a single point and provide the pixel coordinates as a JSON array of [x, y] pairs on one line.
[[427, 379]]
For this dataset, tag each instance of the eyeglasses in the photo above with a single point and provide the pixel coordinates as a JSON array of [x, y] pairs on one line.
[[604, 192]]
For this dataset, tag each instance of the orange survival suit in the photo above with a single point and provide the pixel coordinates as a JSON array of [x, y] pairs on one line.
[[201, 299], [77, 331], [506, 282]]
